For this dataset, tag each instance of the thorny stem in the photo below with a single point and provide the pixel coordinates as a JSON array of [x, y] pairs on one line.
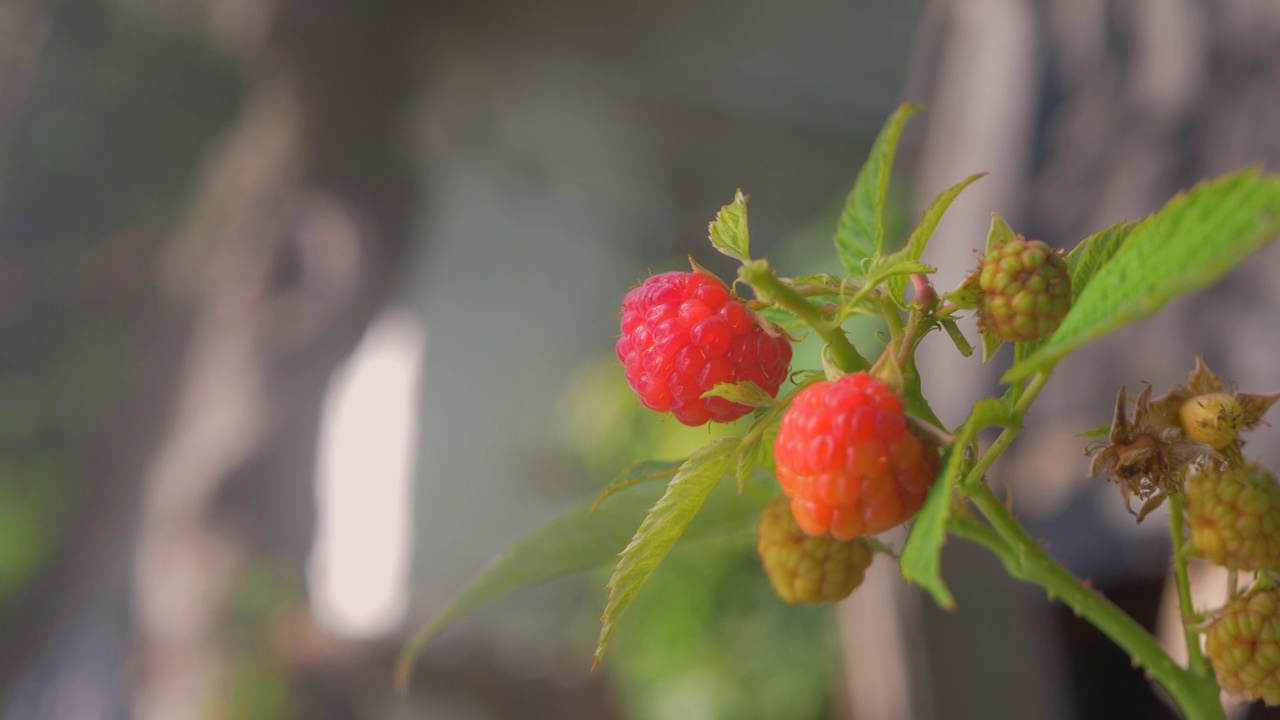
[[1195, 690], [1177, 523], [1026, 560], [891, 316], [1010, 433], [770, 289]]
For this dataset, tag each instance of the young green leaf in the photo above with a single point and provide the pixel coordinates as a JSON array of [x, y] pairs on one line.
[[922, 555], [1083, 263], [919, 239], [744, 393], [661, 528], [1093, 252], [745, 461], [1188, 245], [637, 473], [729, 230], [577, 540], [860, 232]]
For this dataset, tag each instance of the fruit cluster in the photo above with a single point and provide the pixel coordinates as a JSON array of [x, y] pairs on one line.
[[1026, 290], [1188, 441]]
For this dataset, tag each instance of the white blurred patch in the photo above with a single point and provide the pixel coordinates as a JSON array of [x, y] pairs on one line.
[[359, 570]]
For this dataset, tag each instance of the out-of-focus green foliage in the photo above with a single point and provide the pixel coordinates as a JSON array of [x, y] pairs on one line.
[[258, 686], [707, 639]]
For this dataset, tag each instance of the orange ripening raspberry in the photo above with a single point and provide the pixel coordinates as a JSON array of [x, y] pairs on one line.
[[849, 462], [683, 333]]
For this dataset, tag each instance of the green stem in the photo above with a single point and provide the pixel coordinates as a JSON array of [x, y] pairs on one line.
[[1195, 690], [1177, 529], [892, 318], [1010, 433], [1025, 560], [770, 289]]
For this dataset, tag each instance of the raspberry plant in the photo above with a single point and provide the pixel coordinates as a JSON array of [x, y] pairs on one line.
[[856, 449]]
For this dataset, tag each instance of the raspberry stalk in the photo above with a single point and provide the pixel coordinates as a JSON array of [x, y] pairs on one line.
[[1177, 520], [770, 289]]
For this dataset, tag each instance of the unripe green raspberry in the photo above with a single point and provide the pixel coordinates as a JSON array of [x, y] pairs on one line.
[[1026, 290], [1213, 419], [1243, 645], [1234, 516], [807, 568]]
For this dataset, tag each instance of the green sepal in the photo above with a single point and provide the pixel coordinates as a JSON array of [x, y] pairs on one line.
[[728, 232]]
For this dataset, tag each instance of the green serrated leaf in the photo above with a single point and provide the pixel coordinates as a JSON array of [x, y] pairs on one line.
[[922, 555], [919, 239], [661, 528], [744, 393], [745, 462], [1188, 245], [1093, 252], [860, 231], [780, 317], [1083, 263], [578, 540], [636, 474], [729, 230]]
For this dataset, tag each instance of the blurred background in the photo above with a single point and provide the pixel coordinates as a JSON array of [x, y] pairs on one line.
[[307, 309]]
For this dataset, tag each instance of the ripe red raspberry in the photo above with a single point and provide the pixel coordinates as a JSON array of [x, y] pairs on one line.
[[1026, 290], [804, 568], [848, 461], [683, 334], [1243, 646]]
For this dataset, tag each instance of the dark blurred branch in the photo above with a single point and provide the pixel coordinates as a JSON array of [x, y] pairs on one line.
[[292, 241]]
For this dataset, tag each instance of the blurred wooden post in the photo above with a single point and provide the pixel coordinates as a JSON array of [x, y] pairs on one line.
[[290, 246], [1085, 112]]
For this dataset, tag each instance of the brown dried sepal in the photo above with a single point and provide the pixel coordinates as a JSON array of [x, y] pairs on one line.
[[1146, 457]]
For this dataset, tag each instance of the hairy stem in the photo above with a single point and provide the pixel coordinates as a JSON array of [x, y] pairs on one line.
[[1026, 560], [1195, 690], [1177, 524], [770, 289]]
